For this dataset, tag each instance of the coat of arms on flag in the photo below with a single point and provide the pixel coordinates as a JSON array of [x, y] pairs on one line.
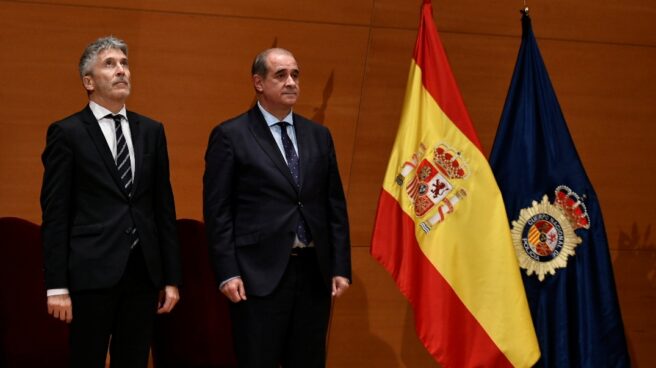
[[434, 182], [544, 236]]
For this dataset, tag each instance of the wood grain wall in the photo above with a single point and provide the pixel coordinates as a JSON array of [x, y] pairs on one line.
[[190, 62]]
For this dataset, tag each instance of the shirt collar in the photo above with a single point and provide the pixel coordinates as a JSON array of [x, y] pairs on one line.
[[272, 120], [100, 112]]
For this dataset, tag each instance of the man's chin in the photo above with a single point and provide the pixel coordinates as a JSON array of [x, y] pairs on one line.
[[115, 98], [290, 100], [121, 93]]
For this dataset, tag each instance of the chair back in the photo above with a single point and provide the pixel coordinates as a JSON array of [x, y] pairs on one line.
[[29, 337], [197, 333]]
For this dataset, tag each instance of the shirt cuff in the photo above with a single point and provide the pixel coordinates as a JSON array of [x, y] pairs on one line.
[[53, 292], [226, 281]]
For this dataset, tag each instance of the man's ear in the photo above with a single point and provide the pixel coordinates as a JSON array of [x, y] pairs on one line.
[[88, 83], [258, 83]]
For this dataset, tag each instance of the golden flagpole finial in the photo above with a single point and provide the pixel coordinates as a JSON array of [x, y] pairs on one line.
[[525, 9]]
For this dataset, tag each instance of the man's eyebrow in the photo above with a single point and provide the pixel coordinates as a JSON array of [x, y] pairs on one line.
[[292, 70]]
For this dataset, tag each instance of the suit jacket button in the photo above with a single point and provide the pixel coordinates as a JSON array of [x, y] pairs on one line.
[[300, 204], [128, 230]]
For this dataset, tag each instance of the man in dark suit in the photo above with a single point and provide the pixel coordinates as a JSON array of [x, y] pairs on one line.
[[277, 223], [110, 245]]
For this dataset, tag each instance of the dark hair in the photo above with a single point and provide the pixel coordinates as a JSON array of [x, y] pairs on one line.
[[259, 64]]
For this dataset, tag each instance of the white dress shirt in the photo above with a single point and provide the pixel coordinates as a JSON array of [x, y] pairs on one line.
[[275, 129]]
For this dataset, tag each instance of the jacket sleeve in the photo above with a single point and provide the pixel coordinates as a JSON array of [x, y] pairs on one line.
[[217, 206], [338, 218], [165, 217], [56, 198]]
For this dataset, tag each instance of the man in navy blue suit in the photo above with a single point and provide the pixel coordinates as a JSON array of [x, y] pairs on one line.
[[277, 222]]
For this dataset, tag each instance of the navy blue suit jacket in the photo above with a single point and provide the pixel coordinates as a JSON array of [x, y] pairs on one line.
[[252, 204]]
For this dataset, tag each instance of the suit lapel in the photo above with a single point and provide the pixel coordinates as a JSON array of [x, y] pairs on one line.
[[264, 138], [98, 138], [137, 145]]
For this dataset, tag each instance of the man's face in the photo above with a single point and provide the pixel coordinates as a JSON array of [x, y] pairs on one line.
[[109, 79], [280, 88]]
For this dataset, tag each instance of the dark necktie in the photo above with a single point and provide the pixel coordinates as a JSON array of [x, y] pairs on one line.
[[292, 161], [122, 156], [124, 169]]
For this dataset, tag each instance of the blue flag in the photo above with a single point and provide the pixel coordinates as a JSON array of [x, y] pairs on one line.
[[557, 228]]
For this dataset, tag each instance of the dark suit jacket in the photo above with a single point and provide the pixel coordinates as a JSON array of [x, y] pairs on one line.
[[252, 205], [86, 215]]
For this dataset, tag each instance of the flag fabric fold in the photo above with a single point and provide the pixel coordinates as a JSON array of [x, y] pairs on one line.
[[557, 227], [441, 228]]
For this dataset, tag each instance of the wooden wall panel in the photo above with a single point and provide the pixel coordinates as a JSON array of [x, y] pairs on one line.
[[635, 279], [340, 11], [610, 21], [388, 63], [191, 75]]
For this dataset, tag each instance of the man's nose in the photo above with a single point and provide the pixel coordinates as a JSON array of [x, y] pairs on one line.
[[290, 80]]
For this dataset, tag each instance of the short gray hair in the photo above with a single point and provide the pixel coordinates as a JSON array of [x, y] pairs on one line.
[[91, 52], [259, 64]]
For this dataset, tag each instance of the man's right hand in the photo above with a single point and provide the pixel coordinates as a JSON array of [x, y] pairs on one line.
[[234, 290], [60, 307]]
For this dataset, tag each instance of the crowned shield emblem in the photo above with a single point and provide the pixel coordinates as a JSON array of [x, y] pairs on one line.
[[433, 186], [428, 188], [544, 234]]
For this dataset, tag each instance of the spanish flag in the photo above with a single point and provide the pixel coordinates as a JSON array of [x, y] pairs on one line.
[[441, 228]]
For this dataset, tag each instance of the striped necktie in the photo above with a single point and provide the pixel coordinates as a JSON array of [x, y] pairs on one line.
[[124, 167], [123, 157]]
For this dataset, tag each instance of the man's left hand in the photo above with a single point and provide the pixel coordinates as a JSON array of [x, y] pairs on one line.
[[168, 298], [340, 284]]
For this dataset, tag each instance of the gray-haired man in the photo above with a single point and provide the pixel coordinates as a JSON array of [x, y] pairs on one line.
[[111, 252]]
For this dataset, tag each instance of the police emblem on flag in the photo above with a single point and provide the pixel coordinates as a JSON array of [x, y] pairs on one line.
[[433, 186], [544, 234]]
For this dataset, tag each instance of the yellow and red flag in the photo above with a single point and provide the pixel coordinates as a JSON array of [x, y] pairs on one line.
[[441, 227]]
